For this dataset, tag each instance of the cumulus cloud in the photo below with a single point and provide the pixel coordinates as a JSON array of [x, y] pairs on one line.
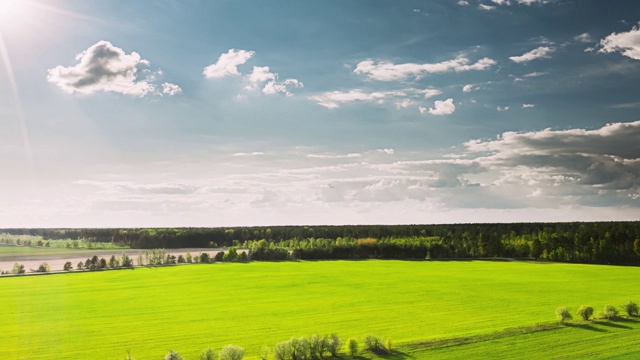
[[535, 74], [387, 71], [446, 107], [171, 89], [262, 77], [501, 2], [538, 53], [526, 106], [227, 64], [469, 88], [107, 68], [626, 43], [604, 158], [502, 108]]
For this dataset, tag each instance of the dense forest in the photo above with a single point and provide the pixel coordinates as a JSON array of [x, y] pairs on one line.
[[593, 242]]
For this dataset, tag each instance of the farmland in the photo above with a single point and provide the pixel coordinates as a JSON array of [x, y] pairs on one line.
[[187, 308]]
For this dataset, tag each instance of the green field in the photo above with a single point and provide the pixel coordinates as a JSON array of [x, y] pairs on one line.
[[187, 308]]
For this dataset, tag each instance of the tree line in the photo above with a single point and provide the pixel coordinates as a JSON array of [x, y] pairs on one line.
[[583, 242]]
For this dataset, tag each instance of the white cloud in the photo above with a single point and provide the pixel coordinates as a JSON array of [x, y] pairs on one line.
[[227, 64], [501, 2], [503, 108], [386, 151], [402, 98], [584, 38], [526, 106], [104, 67], [329, 156], [529, 2], [486, 7], [627, 43], [262, 74], [463, 2], [469, 88], [254, 153], [171, 89], [446, 107], [535, 74], [386, 71], [538, 53]]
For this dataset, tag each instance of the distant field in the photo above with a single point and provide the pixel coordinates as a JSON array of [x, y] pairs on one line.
[[187, 308]]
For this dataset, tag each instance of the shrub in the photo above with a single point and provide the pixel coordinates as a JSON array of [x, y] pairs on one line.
[[374, 344], [68, 266], [630, 308], [562, 314], [44, 267], [318, 345], [609, 312], [231, 352], [18, 269], [282, 350], [189, 259], [204, 258], [80, 265], [388, 344], [113, 262], [207, 354], [181, 259], [173, 355], [299, 348], [352, 344], [264, 352], [334, 344], [585, 312]]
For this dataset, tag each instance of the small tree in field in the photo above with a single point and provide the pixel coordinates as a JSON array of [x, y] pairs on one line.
[[173, 355], [44, 267], [282, 350], [80, 265], [610, 312], [18, 269], [585, 312], [375, 344], [231, 352], [264, 352], [353, 347], [631, 308], [189, 258], [562, 314], [208, 354], [334, 344], [68, 266]]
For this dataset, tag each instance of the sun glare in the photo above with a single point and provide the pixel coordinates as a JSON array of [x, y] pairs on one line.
[[12, 12]]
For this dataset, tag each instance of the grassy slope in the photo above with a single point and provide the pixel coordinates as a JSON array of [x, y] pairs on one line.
[[187, 308]]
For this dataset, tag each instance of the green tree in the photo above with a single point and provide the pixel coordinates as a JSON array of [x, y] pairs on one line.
[[207, 354], [282, 350], [189, 258], [631, 308], [80, 265], [585, 312], [18, 269], [610, 312], [334, 344], [68, 266], [352, 344], [231, 352], [113, 262], [636, 246], [264, 352], [173, 355], [562, 314], [375, 344], [44, 267]]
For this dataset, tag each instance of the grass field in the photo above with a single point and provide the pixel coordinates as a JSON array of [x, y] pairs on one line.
[[187, 308]]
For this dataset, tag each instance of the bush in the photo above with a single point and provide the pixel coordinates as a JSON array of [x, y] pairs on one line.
[[631, 308], [585, 312], [609, 312], [68, 266], [283, 350], [173, 355], [334, 344], [264, 352], [80, 265], [352, 344], [231, 352], [562, 314], [318, 345], [18, 269], [299, 348], [375, 344], [43, 268], [204, 258], [207, 354]]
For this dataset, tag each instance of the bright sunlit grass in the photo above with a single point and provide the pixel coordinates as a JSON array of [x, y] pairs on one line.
[[188, 308]]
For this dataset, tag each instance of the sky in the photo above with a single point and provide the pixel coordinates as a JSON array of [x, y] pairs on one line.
[[168, 113]]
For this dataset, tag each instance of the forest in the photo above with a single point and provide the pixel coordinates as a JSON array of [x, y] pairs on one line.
[[581, 242]]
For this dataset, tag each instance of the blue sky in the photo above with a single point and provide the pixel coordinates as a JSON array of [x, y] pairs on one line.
[[213, 113]]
